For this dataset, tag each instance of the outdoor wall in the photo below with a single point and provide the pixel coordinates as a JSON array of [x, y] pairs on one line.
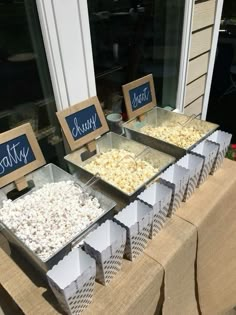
[[200, 47]]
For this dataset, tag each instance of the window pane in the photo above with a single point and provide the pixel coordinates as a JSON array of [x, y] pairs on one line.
[[133, 38], [25, 87]]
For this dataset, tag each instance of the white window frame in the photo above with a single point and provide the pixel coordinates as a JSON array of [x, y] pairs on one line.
[[65, 28], [185, 50], [219, 8]]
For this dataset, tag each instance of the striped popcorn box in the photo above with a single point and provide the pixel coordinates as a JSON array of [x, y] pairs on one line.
[[223, 139], [208, 151], [137, 219], [158, 197], [176, 178], [106, 245], [72, 281], [194, 164]]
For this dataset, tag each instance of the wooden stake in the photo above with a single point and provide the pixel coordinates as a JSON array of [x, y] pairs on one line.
[[141, 117], [91, 146], [21, 184]]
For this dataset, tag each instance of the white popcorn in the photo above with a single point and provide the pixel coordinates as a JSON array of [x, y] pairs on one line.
[[121, 169], [178, 135], [48, 218]]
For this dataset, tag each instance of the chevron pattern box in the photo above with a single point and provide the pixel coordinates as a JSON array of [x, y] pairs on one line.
[[223, 139], [194, 164], [176, 178], [72, 281], [208, 151], [106, 245], [137, 219], [158, 197]]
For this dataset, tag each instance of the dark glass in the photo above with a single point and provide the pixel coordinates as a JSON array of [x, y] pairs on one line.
[[131, 39], [26, 93], [221, 106]]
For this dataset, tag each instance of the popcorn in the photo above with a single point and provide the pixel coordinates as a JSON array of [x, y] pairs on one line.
[[121, 169], [180, 136], [48, 218]]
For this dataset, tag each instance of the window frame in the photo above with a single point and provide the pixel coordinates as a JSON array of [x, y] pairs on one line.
[[60, 21], [214, 43]]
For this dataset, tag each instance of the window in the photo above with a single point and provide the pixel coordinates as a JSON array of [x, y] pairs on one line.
[[132, 38], [25, 87]]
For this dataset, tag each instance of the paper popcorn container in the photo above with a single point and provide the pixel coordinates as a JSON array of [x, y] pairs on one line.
[[208, 150], [72, 281], [137, 219], [223, 139], [106, 245], [158, 197], [194, 164], [176, 178]]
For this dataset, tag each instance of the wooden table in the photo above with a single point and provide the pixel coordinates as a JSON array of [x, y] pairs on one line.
[[189, 267], [175, 249], [139, 288], [212, 210]]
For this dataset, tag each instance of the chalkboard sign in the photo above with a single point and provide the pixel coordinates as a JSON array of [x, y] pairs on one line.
[[83, 122], [20, 154], [14, 154], [139, 96]]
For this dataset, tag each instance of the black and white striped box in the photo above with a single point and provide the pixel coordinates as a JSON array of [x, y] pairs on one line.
[[137, 219], [223, 139], [106, 245], [176, 178], [158, 197], [72, 281], [208, 151], [194, 164]]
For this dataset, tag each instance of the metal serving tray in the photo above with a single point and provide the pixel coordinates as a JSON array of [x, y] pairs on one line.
[[157, 117], [52, 174], [112, 140]]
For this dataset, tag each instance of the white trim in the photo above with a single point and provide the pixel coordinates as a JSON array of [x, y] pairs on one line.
[[177, 111], [85, 29], [219, 9], [186, 42], [66, 34], [53, 53]]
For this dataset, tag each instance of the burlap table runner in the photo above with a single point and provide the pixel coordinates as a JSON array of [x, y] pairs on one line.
[[4, 244], [24, 292], [212, 209], [137, 289], [134, 290], [175, 249]]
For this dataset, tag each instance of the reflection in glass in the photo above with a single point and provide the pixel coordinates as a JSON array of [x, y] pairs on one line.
[[25, 87], [132, 38]]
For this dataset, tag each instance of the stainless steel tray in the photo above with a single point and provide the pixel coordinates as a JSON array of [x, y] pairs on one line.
[[52, 174], [157, 117], [112, 140]]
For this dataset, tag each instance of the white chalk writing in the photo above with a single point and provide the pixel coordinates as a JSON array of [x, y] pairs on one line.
[[13, 157], [83, 128], [140, 98]]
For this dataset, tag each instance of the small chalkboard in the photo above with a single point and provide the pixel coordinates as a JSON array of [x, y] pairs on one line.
[[83, 122], [139, 96], [20, 154]]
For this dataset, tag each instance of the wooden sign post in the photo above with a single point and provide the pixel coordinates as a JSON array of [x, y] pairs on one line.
[[82, 123], [139, 96], [20, 154]]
